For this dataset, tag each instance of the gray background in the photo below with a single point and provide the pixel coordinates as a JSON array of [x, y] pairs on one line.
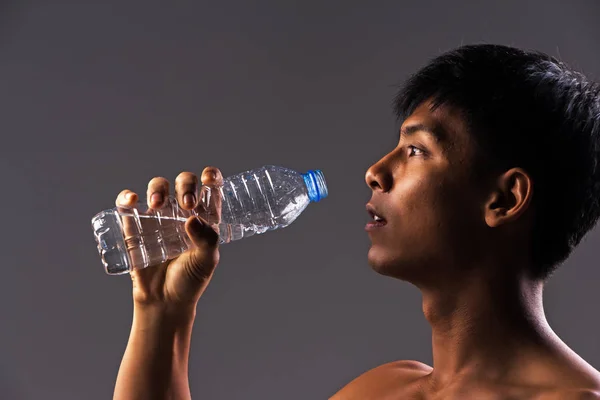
[[100, 96]]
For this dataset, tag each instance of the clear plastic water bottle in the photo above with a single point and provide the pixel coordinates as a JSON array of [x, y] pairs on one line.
[[251, 203]]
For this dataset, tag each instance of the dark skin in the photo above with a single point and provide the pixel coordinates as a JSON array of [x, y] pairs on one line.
[[460, 238]]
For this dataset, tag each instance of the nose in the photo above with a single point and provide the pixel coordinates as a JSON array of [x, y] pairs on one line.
[[379, 177]]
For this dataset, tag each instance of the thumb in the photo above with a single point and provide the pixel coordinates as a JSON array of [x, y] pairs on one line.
[[202, 235], [202, 258]]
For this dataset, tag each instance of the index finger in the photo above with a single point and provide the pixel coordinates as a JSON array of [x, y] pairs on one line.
[[211, 199], [126, 203]]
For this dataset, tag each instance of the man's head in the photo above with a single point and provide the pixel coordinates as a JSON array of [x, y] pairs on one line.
[[510, 162]]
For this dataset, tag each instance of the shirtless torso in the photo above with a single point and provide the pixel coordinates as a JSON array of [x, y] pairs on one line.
[[413, 380]]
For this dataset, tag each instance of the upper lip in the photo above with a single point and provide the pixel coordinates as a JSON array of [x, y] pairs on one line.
[[374, 212]]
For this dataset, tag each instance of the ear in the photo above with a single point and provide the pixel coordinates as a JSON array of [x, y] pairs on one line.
[[510, 198]]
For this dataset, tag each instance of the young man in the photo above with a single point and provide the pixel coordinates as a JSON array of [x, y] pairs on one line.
[[494, 181]]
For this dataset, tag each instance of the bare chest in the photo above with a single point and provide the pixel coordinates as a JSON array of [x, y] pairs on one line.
[[418, 391]]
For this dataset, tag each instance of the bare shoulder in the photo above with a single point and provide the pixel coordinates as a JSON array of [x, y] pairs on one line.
[[584, 394], [572, 394], [383, 380], [575, 379], [577, 384]]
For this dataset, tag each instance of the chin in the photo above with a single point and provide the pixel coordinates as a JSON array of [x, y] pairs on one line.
[[386, 265], [397, 265]]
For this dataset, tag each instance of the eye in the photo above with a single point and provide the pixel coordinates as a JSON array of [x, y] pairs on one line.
[[415, 151]]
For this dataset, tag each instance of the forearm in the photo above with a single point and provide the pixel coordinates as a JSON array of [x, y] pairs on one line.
[[155, 363]]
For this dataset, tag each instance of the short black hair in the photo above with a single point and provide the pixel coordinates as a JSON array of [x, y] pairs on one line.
[[525, 109]]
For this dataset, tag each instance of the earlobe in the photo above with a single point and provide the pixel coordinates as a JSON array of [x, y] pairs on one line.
[[510, 199]]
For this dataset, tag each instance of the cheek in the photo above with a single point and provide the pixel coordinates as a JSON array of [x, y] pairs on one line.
[[431, 225], [422, 199], [431, 212], [451, 215]]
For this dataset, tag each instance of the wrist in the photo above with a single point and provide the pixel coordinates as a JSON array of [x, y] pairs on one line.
[[155, 363], [163, 317], [167, 331]]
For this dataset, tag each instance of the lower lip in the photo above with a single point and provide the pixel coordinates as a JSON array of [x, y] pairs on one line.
[[374, 225]]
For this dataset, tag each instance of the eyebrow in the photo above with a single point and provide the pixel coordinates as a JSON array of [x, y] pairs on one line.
[[438, 134]]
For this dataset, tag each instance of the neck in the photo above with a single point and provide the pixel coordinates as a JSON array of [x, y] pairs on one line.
[[481, 326]]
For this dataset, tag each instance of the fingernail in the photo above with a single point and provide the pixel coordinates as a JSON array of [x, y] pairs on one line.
[[156, 198], [189, 199]]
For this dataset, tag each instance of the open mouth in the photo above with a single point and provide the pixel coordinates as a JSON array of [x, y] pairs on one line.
[[377, 220]]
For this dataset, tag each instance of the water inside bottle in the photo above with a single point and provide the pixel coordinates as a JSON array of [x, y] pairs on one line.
[[145, 216], [227, 232], [252, 203]]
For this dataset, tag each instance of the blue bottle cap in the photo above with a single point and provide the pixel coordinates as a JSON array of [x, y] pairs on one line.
[[315, 183]]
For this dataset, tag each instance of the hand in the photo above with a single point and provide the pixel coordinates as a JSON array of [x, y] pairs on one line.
[[177, 284]]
